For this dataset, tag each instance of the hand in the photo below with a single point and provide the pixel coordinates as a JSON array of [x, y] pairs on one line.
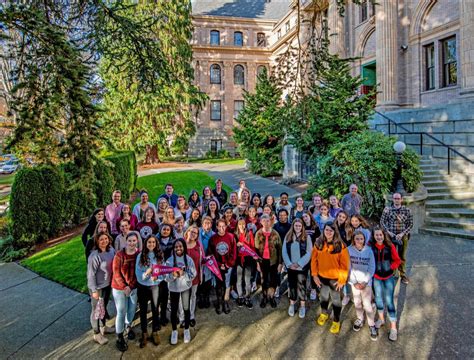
[[399, 237], [239, 244], [294, 266], [280, 268], [95, 295], [222, 267], [148, 272], [127, 291], [175, 274], [181, 272], [258, 268], [391, 234], [317, 281], [358, 286], [154, 278], [339, 286]]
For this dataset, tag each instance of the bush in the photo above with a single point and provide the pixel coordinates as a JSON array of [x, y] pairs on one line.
[[221, 154], [104, 182], [124, 169], [368, 160]]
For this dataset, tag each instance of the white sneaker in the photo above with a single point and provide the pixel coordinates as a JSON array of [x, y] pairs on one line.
[[291, 310], [234, 295], [277, 292], [187, 336], [314, 295], [302, 312], [100, 339], [393, 335], [346, 300], [174, 337], [379, 323], [107, 330]]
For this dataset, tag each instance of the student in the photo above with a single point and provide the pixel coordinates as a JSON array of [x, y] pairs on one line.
[[386, 262], [233, 200], [165, 240], [97, 216], [183, 207], [268, 246], [252, 220], [342, 227], [228, 216], [323, 217], [169, 216], [205, 235], [222, 246], [219, 193], [206, 197], [124, 284], [213, 212], [246, 265], [283, 225], [269, 200], [126, 214], [241, 187], [240, 211], [139, 209], [194, 219], [102, 226], [312, 230], [148, 288], [297, 249], [315, 206], [245, 196], [334, 207], [330, 268], [352, 202], [180, 284], [112, 212], [121, 239], [148, 226], [99, 274], [267, 209], [170, 197], [360, 279], [284, 203], [299, 209], [256, 201], [357, 222], [179, 227], [194, 200], [161, 207]]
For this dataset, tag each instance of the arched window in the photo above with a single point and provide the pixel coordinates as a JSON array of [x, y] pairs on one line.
[[215, 37], [261, 69], [239, 75], [261, 40], [215, 74], [238, 38]]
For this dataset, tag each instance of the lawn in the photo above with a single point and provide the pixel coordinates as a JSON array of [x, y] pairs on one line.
[[224, 161], [64, 263]]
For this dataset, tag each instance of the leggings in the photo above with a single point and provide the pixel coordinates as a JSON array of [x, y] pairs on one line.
[[192, 306], [104, 294], [244, 272], [145, 294], [328, 287], [185, 297], [384, 290], [163, 298], [297, 284], [126, 306], [269, 276], [363, 302]]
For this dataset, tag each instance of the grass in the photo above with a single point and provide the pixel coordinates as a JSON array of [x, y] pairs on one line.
[[64, 263], [224, 161], [7, 179]]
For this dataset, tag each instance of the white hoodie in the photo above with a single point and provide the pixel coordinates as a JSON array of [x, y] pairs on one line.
[[362, 265]]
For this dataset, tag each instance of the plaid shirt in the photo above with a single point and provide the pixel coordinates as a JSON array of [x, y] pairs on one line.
[[397, 221]]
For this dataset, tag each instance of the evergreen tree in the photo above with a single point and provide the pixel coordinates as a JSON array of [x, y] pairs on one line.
[[260, 133]]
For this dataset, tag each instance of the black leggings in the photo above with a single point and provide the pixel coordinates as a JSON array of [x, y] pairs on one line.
[[297, 284], [269, 275], [328, 288], [145, 294], [186, 301], [163, 298]]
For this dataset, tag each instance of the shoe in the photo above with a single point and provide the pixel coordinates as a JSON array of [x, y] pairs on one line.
[[107, 330], [187, 336], [120, 343], [263, 302], [393, 335], [373, 333], [277, 292], [100, 339], [249, 303], [219, 308], [240, 302], [181, 325], [379, 323], [313, 295], [405, 279], [234, 295], [207, 302], [192, 322], [164, 321], [174, 337], [131, 334], [200, 302], [322, 319], [273, 302], [357, 325], [335, 327], [345, 300], [302, 312], [143, 340], [226, 307], [254, 287], [291, 310], [155, 337]]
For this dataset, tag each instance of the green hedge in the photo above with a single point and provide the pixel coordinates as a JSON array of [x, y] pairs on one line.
[[46, 199]]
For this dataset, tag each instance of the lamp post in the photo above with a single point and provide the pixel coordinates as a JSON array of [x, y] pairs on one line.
[[399, 147]]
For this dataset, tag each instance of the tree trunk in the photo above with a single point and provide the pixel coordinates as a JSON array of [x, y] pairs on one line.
[[152, 156]]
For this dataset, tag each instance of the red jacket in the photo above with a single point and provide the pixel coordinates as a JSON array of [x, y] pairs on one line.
[[248, 240], [124, 271], [224, 249]]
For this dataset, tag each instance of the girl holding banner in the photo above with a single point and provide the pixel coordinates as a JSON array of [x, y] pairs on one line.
[[246, 262]]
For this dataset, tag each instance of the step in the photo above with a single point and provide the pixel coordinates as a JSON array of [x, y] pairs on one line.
[[451, 195], [429, 167], [427, 172], [454, 233], [456, 213], [445, 189], [450, 204], [444, 182], [466, 224]]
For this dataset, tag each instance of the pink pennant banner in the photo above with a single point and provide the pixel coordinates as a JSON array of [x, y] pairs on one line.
[[158, 270], [246, 250], [211, 263]]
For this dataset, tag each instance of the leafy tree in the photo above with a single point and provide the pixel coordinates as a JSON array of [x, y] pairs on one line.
[[260, 133]]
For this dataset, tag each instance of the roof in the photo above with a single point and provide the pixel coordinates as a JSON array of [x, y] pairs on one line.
[[252, 9]]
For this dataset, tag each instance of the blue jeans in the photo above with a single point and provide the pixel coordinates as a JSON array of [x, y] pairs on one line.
[[384, 290], [126, 307]]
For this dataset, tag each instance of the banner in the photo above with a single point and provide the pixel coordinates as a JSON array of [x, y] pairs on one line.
[[163, 270], [211, 263], [246, 250]]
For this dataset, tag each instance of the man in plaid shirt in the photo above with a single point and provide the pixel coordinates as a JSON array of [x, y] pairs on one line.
[[397, 221]]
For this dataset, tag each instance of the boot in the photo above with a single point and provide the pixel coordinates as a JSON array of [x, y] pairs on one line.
[[200, 302], [155, 337], [120, 343], [218, 306], [207, 301], [143, 340], [226, 307]]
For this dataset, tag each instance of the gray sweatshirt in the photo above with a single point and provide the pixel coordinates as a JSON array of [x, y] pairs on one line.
[[362, 265], [294, 256], [185, 281], [99, 269]]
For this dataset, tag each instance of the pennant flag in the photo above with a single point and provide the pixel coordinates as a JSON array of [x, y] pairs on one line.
[[163, 270], [211, 263], [246, 250]]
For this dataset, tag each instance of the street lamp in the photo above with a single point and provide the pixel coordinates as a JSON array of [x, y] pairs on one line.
[[399, 147]]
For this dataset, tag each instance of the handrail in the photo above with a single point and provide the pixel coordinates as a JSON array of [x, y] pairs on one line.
[[422, 133]]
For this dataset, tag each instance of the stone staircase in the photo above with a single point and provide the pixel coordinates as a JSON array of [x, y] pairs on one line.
[[450, 202]]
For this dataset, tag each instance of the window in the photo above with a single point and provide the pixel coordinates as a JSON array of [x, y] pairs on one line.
[[238, 106], [279, 33], [450, 65], [261, 40], [215, 110], [216, 146], [239, 75], [261, 69], [364, 10], [287, 26], [430, 67], [215, 37], [238, 38], [215, 74]]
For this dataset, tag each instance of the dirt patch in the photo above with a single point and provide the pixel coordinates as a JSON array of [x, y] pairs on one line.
[[164, 165], [64, 236]]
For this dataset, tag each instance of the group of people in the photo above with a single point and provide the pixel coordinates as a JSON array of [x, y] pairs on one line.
[[159, 254]]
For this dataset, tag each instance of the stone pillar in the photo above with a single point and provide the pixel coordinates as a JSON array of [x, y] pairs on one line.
[[336, 30], [386, 24], [466, 46], [227, 94]]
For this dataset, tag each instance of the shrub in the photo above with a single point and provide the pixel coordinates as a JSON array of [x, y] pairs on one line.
[[104, 182], [124, 169], [368, 160]]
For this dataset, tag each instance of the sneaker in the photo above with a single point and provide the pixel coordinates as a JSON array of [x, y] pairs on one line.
[[187, 336], [357, 325], [249, 303], [277, 292], [107, 330], [345, 300], [405, 279], [322, 319], [335, 327], [100, 339], [314, 295], [174, 337], [393, 335], [302, 312], [273, 302], [379, 323], [192, 322], [130, 334], [291, 310], [263, 302], [373, 333], [234, 294], [164, 321], [240, 302], [121, 344], [254, 286], [155, 338]]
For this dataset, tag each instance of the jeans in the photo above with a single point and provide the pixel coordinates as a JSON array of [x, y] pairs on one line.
[[126, 306], [363, 302], [245, 272], [175, 297], [146, 294], [384, 290], [297, 284], [402, 252], [328, 287], [192, 306], [105, 294], [222, 286]]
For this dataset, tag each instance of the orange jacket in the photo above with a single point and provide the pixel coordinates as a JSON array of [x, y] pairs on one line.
[[330, 266]]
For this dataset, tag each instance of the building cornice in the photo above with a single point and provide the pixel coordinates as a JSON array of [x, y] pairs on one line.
[[228, 19], [232, 49]]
